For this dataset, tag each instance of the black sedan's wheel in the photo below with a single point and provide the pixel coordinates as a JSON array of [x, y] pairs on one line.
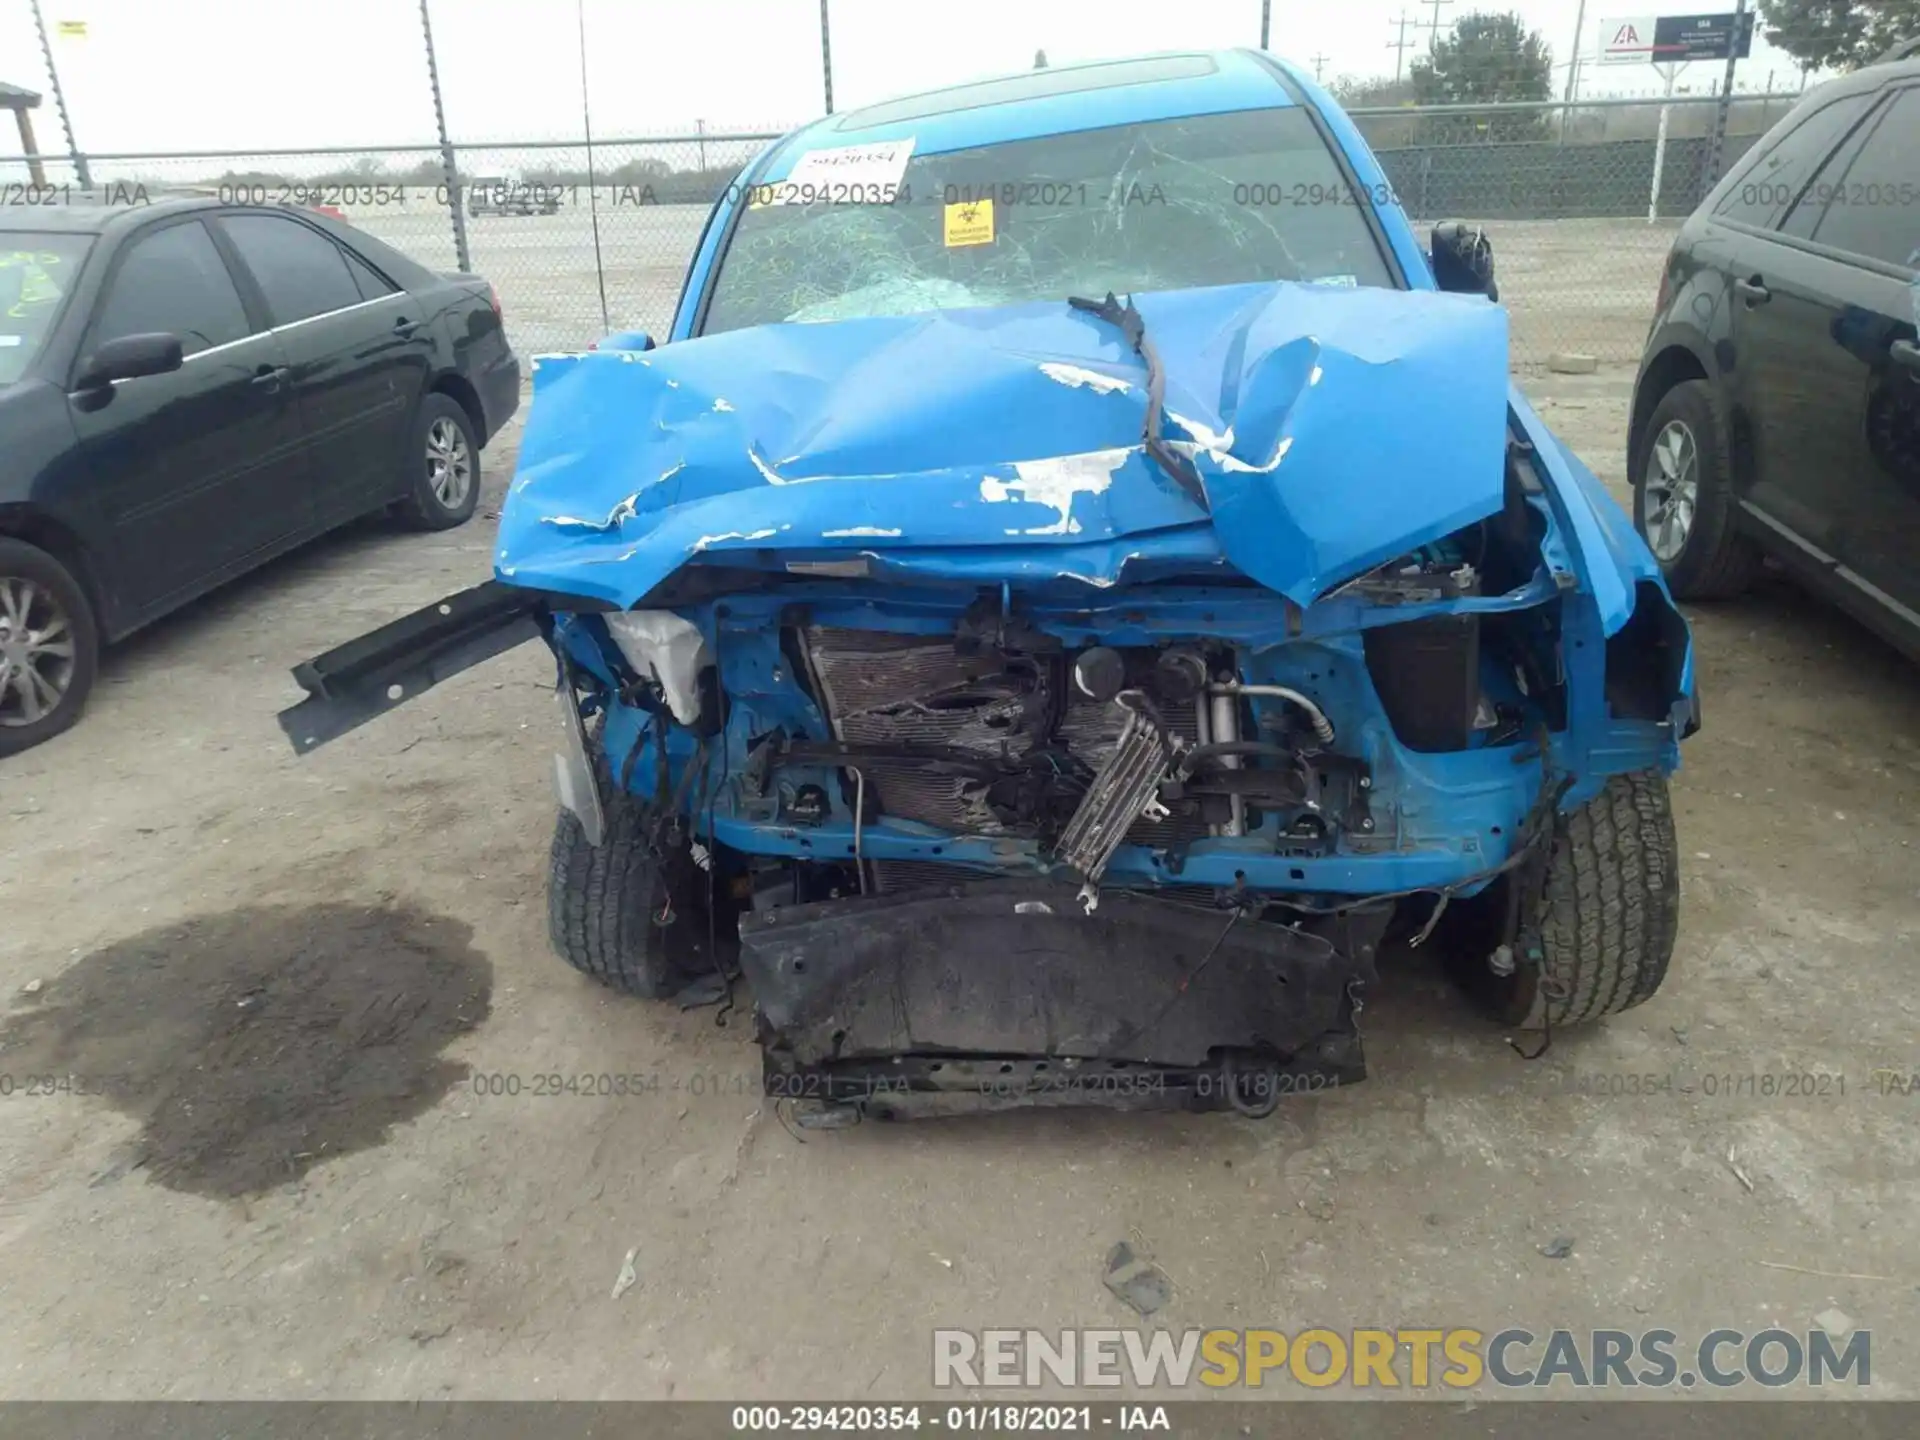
[[1683, 503], [49, 647], [445, 456]]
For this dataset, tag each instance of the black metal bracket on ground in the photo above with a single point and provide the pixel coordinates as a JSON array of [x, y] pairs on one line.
[[368, 676]]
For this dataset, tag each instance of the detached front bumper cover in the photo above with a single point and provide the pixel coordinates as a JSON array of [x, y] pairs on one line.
[[984, 995]]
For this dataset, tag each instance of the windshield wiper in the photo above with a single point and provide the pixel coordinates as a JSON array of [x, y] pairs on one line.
[[1130, 324]]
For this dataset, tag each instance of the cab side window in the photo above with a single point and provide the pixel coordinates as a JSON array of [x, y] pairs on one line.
[[172, 280]]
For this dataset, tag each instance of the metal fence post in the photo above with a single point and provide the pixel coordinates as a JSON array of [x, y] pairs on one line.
[[1573, 68], [1721, 111], [1660, 144], [826, 55], [449, 168], [60, 102]]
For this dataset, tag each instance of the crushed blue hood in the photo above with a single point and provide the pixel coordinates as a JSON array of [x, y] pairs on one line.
[[1333, 428]]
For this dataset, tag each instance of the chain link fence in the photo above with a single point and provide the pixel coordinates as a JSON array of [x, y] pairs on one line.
[[1581, 203], [575, 244]]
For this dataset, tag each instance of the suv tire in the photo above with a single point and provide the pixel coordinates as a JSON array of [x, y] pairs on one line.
[[1683, 502]]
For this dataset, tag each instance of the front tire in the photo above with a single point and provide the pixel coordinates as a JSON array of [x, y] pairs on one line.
[[620, 914], [444, 459], [1608, 913], [1683, 501], [49, 647]]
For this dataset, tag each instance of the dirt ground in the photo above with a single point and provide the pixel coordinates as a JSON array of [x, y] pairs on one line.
[[284, 990]]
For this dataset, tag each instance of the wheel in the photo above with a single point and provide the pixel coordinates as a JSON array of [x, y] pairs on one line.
[[1603, 928], [49, 647], [616, 912], [444, 456], [1683, 504]]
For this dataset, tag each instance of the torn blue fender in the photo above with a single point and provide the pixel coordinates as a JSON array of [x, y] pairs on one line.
[[1333, 429]]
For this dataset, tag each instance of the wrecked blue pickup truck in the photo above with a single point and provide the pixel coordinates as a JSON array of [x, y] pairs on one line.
[[1077, 582]]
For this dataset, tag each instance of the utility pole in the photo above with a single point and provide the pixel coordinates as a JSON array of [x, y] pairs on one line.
[[1319, 63], [1433, 26], [449, 170], [700, 129], [1399, 46], [60, 102], [1266, 21], [1573, 68], [826, 55], [1726, 96]]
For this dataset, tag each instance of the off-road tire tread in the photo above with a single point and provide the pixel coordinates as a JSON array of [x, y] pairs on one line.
[[1718, 562], [600, 902], [1611, 908]]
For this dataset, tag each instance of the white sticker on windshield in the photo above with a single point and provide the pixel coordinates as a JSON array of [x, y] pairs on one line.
[[10, 342], [1347, 281], [857, 173]]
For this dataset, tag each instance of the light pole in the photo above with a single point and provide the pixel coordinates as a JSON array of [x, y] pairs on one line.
[[593, 180]]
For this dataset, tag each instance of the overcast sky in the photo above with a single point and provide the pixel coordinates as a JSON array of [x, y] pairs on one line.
[[154, 75]]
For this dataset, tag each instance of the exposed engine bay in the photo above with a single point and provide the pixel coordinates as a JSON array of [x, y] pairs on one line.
[[1078, 751]]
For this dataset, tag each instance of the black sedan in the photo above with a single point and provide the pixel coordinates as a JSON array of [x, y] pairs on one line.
[[189, 389], [1777, 411]]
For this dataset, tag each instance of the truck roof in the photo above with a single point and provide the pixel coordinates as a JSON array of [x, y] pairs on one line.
[[1055, 101]]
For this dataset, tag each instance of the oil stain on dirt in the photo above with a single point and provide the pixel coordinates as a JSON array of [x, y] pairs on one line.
[[255, 1044]]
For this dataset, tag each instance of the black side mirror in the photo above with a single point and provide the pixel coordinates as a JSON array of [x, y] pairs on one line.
[[1463, 259], [128, 358]]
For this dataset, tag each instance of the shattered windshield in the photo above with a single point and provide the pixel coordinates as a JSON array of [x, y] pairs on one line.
[[36, 271], [1167, 205]]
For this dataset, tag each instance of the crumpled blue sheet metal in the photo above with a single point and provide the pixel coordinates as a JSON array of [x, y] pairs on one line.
[[1333, 428]]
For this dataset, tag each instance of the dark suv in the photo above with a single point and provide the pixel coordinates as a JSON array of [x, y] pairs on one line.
[[1777, 409]]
